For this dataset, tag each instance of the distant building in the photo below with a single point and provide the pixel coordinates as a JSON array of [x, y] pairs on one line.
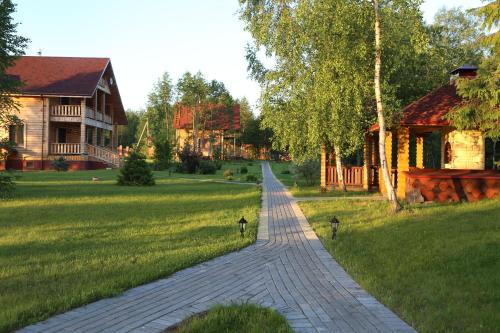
[[69, 107], [218, 129], [462, 175]]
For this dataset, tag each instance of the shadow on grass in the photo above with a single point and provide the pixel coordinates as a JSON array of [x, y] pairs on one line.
[[436, 266]]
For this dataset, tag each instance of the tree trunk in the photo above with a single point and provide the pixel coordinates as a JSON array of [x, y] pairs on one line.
[[338, 168], [195, 132], [391, 194]]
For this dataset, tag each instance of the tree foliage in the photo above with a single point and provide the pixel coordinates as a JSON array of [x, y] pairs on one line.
[[135, 171], [481, 107], [128, 134], [159, 110], [12, 46]]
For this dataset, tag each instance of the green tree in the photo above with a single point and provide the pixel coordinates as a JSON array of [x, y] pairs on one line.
[[127, 134], [246, 114], [135, 171], [159, 110], [12, 46], [481, 109]]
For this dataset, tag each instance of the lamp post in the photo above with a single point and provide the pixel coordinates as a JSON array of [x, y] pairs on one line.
[[335, 226], [243, 224]]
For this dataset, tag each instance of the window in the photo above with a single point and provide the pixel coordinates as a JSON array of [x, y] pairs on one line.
[[90, 136], [99, 137], [447, 153], [61, 135], [65, 101], [16, 134]]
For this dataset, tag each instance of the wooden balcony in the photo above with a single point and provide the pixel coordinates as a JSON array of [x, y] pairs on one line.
[[107, 119], [65, 148], [66, 110]]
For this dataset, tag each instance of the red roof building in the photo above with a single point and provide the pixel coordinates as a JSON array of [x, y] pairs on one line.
[[216, 117]]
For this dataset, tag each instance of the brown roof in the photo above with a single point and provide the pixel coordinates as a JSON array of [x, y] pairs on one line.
[[217, 119], [61, 76], [64, 76], [430, 109]]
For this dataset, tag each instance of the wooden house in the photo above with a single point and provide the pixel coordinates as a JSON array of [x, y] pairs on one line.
[[218, 128], [69, 107], [462, 174]]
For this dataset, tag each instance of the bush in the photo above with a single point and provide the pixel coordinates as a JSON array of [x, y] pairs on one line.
[[218, 164], [136, 171], [7, 186], [207, 168], [243, 170], [251, 178], [309, 171], [163, 153], [228, 173], [285, 172], [190, 160], [217, 154], [250, 163], [60, 164]]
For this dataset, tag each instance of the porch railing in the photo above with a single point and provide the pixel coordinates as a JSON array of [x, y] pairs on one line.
[[98, 115], [65, 148], [107, 119], [104, 155], [66, 110], [353, 176]]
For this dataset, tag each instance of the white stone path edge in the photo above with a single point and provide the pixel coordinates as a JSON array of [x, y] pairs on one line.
[[287, 269]]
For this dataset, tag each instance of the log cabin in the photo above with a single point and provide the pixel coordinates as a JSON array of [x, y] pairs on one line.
[[69, 107], [218, 128], [461, 175]]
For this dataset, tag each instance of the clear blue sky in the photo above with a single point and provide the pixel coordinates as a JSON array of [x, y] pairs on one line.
[[148, 37]]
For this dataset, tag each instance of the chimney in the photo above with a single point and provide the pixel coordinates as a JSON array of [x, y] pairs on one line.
[[468, 71]]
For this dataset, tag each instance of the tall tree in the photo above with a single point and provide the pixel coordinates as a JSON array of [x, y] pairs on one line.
[[380, 111], [159, 111], [481, 108], [192, 91], [12, 46]]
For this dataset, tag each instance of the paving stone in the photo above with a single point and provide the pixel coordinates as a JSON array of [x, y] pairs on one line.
[[287, 269]]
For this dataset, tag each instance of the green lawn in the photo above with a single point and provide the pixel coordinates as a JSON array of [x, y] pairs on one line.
[[299, 188], [253, 167], [66, 241], [437, 266], [246, 318]]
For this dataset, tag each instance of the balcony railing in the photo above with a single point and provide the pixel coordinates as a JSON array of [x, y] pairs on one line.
[[98, 116], [65, 148], [107, 119], [66, 110]]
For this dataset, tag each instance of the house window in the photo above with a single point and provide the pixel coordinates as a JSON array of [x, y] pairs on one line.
[[447, 153], [65, 101], [61, 135], [90, 136], [99, 137], [16, 134]]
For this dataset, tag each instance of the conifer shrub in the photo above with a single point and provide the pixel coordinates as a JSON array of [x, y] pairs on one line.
[[60, 164], [207, 168], [7, 186], [190, 159], [251, 178], [244, 170], [136, 171]]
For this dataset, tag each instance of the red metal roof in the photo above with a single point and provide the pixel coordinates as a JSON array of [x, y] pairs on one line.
[[215, 115], [60, 76], [430, 109]]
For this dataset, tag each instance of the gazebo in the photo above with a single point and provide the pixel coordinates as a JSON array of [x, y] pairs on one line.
[[462, 174]]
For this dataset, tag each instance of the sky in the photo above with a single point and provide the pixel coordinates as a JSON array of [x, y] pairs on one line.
[[146, 38]]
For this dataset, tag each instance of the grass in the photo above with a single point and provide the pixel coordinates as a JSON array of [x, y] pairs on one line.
[[436, 266], [252, 166], [299, 188], [66, 241], [235, 318]]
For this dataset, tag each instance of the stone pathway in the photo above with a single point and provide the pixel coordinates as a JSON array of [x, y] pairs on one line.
[[287, 269]]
